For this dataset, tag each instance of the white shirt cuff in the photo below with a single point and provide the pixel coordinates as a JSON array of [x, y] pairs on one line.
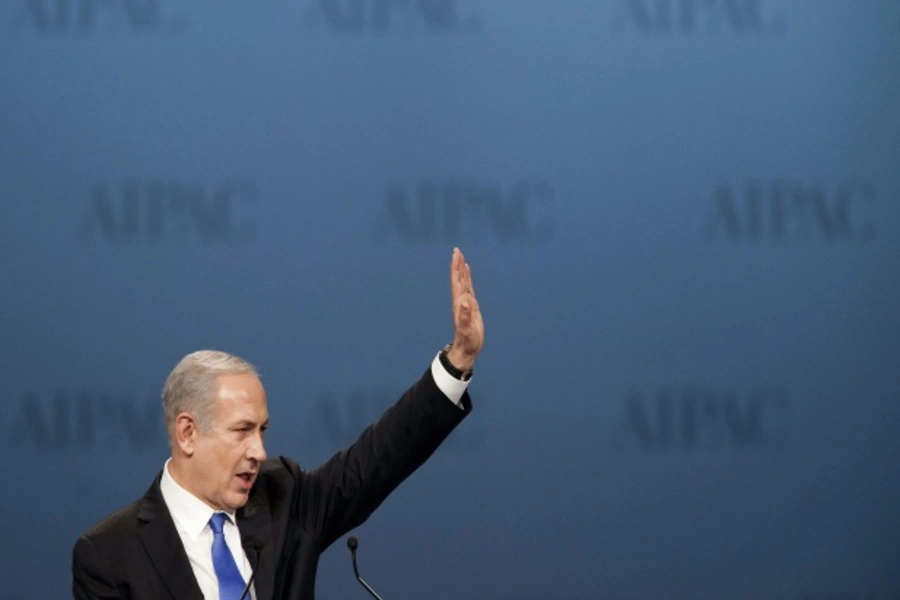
[[452, 387]]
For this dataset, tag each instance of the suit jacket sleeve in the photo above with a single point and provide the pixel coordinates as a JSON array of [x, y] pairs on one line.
[[90, 578], [345, 490]]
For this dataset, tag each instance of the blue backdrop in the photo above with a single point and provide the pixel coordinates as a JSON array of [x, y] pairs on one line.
[[683, 222]]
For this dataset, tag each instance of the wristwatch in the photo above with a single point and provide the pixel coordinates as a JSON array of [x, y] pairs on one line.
[[445, 362]]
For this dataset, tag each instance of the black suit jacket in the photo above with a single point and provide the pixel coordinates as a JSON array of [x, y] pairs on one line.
[[292, 515]]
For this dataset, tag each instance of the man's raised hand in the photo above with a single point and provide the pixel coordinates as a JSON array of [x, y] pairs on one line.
[[468, 326]]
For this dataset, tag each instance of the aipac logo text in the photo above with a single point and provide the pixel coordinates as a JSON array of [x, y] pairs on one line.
[[450, 210], [159, 211], [783, 210], [698, 18], [97, 17], [399, 17], [703, 419]]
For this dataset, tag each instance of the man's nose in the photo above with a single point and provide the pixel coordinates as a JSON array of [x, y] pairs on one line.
[[257, 450]]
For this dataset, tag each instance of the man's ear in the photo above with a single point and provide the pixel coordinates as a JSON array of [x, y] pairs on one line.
[[186, 432]]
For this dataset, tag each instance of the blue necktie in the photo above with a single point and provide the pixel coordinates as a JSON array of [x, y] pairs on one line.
[[231, 584]]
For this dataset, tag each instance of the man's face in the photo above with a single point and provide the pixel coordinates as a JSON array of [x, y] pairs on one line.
[[227, 456]]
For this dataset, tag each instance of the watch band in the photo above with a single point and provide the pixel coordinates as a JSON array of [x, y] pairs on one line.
[[456, 373]]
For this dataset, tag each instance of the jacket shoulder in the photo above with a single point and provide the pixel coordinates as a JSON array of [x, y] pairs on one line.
[[278, 478], [116, 526]]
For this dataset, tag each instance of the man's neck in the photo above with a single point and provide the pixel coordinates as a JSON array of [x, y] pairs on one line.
[[179, 472]]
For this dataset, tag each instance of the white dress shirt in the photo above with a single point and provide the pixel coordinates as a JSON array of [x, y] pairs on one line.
[[191, 515]]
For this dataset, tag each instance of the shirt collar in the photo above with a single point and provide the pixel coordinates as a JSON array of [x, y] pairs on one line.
[[190, 513]]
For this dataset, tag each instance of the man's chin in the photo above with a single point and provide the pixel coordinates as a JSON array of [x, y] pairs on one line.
[[237, 499]]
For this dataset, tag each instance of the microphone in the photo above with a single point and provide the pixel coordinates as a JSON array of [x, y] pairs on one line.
[[353, 543], [256, 550]]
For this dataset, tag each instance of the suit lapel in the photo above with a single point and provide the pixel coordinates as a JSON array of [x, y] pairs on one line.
[[255, 523], [163, 545]]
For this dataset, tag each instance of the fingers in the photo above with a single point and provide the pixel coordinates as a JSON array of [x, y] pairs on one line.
[[460, 275], [462, 286], [456, 263], [465, 305]]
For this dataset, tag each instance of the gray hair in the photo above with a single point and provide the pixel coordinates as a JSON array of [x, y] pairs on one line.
[[192, 386]]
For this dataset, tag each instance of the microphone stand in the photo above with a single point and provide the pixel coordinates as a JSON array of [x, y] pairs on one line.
[[352, 543]]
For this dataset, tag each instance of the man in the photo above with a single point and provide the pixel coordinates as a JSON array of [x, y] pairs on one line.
[[220, 511]]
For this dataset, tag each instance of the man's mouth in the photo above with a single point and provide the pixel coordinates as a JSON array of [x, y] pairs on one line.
[[247, 479]]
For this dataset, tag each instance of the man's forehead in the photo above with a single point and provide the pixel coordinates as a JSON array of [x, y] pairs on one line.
[[239, 382], [240, 392]]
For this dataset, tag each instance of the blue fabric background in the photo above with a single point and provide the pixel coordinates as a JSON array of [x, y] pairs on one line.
[[683, 222]]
